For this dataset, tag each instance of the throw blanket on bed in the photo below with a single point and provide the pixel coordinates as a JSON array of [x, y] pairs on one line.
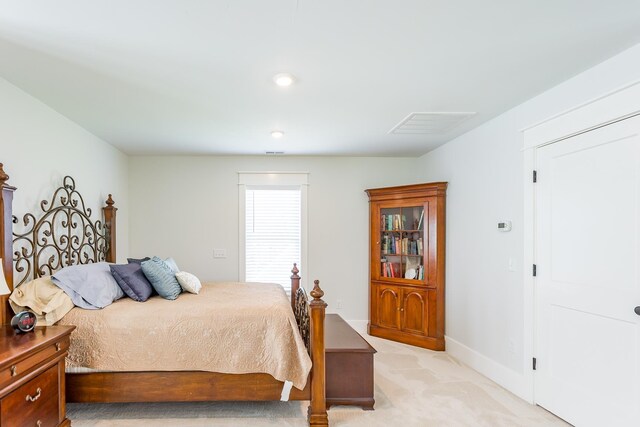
[[233, 328], [44, 298]]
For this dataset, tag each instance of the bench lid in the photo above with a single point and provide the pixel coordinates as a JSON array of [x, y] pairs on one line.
[[340, 337]]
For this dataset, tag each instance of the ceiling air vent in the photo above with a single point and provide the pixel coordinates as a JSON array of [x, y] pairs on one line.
[[274, 153], [430, 123]]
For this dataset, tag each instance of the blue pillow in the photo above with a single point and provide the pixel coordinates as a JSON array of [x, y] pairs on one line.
[[132, 281], [162, 278], [172, 264], [89, 286]]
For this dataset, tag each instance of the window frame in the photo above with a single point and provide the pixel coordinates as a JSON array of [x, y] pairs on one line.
[[272, 180]]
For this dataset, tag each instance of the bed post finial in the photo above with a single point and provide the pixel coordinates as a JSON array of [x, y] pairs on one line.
[[110, 223], [3, 176], [6, 240], [318, 407], [295, 284]]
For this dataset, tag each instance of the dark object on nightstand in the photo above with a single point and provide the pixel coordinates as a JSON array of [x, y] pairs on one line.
[[25, 321], [349, 362], [32, 385]]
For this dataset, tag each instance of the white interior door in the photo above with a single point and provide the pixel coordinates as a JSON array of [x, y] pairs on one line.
[[587, 286]]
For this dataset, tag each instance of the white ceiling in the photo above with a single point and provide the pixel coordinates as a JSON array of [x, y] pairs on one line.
[[194, 76]]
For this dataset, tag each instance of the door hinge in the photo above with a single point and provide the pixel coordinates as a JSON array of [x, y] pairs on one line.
[[535, 270], [535, 176], [535, 362]]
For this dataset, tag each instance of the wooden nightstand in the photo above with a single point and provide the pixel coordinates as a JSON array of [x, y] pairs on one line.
[[32, 388]]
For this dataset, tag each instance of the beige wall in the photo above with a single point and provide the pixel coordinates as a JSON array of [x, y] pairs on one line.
[[40, 147], [185, 207]]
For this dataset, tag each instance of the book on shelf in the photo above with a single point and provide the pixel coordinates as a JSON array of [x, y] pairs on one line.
[[392, 222], [421, 218], [391, 269]]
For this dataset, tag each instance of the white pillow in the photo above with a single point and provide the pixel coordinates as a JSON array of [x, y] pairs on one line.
[[189, 282]]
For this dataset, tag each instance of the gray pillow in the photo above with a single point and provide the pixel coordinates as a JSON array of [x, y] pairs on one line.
[[162, 278], [89, 286], [132, 281], [137, 260]]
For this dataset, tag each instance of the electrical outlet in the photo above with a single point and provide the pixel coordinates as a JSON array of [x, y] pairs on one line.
[[219, 253], [339, 304]]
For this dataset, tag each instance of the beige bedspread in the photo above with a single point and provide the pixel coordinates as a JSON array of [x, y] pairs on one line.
[[230, 328]]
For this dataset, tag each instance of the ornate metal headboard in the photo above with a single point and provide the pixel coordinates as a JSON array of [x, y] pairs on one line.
[[62, 234]]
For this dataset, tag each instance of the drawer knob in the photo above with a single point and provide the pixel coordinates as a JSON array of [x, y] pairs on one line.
[[58, 346], [35, 396], [39, 423], [14, 370]]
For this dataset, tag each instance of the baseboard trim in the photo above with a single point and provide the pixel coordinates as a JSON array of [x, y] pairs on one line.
[[514, 382]]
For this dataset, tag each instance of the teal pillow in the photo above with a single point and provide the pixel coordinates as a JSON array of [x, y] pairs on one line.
[[162, 278]]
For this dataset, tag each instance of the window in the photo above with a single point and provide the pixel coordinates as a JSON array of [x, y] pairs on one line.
[[272, 226]]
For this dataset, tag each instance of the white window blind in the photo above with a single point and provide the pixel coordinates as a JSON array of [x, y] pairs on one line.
[[272, 234]]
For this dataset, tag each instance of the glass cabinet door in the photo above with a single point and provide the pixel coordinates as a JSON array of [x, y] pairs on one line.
[[401, 243]]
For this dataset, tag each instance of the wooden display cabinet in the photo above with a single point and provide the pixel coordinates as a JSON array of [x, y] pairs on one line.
[[407, 242]]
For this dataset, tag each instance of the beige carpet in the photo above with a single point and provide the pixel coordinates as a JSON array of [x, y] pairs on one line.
[[414, 387]]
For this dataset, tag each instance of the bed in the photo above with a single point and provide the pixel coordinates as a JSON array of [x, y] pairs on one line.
[[63, 233]]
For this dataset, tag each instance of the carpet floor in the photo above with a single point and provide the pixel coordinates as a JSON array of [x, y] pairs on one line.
[[413, 387]]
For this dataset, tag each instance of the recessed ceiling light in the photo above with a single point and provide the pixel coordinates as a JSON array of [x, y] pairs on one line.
[[284, 79], [277, 134]]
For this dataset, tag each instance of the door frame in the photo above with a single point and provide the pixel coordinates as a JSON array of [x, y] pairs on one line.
[[612, 107]]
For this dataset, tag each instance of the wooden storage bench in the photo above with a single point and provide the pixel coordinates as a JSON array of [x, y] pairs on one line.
[[349, 364]]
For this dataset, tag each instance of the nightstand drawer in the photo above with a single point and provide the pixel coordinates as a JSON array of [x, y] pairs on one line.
[[16, 370], [33, 404]]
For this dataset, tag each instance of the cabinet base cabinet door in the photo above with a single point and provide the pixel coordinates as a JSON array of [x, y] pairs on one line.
[[414, 312], [387, 306]]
